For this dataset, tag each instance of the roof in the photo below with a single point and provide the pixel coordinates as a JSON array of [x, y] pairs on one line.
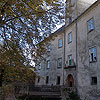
[[63, 27], [59, 30]]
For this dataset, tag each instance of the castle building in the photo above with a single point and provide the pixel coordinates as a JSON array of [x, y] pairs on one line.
[[73, 58]]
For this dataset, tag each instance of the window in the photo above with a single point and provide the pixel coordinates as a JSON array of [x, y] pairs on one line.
[[59, 62], [91, 25], [48, 48], [38, 79], [39, 67], [70, 37], [47, 79], [92, 55], [94, 81], [60, 43], [48, 64], [58, 80], [70, 60], [70, 19]]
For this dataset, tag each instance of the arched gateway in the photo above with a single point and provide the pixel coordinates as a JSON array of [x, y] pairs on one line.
[[70, 81]]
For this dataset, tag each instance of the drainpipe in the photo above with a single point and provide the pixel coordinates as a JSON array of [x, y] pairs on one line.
[[64, 53], [76, 49], [76, 56], [64, 43]]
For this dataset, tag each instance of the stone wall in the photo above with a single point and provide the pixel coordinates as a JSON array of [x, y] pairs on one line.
[[78, 7], [53, 71], [87, 40], [83, 72]]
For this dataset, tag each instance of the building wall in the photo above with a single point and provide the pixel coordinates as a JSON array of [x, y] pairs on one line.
[[70, 49], [82, 5], [84, 70], [87, 40], [53, 71], [78, 7]]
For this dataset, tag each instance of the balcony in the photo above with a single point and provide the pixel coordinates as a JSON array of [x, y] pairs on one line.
[[70, 64]]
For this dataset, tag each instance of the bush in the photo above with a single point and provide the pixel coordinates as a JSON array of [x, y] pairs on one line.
[[73, 96]]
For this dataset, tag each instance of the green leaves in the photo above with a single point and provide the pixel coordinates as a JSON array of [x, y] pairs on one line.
[[21, 23], [25, 20], [22, 74], [12, 61]]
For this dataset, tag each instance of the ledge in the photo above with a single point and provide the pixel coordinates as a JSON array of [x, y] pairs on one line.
[[69, 67]]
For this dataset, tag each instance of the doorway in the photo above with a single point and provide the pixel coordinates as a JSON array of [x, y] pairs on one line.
[[70, 81]]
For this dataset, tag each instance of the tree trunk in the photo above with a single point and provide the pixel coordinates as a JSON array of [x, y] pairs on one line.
[[9, 92], [10, 97]]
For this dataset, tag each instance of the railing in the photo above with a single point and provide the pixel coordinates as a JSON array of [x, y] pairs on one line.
[[38, 90], [70, 64], [44, 88]]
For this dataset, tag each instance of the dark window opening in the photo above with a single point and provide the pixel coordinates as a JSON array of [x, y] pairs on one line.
[[58, 80], [47, 79], [93, 55], [94, 81], [38, 79]]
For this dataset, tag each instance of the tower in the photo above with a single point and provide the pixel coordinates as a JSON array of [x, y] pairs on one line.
[[75, 8]]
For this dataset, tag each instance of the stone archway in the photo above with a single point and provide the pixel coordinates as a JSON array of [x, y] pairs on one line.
[[70, 81]]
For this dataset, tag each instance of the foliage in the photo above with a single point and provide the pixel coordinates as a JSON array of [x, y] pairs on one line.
[[13, 69], [28, 17], [23, 97], [7, 90], [12, 62], [73, 96], [23, 22]]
